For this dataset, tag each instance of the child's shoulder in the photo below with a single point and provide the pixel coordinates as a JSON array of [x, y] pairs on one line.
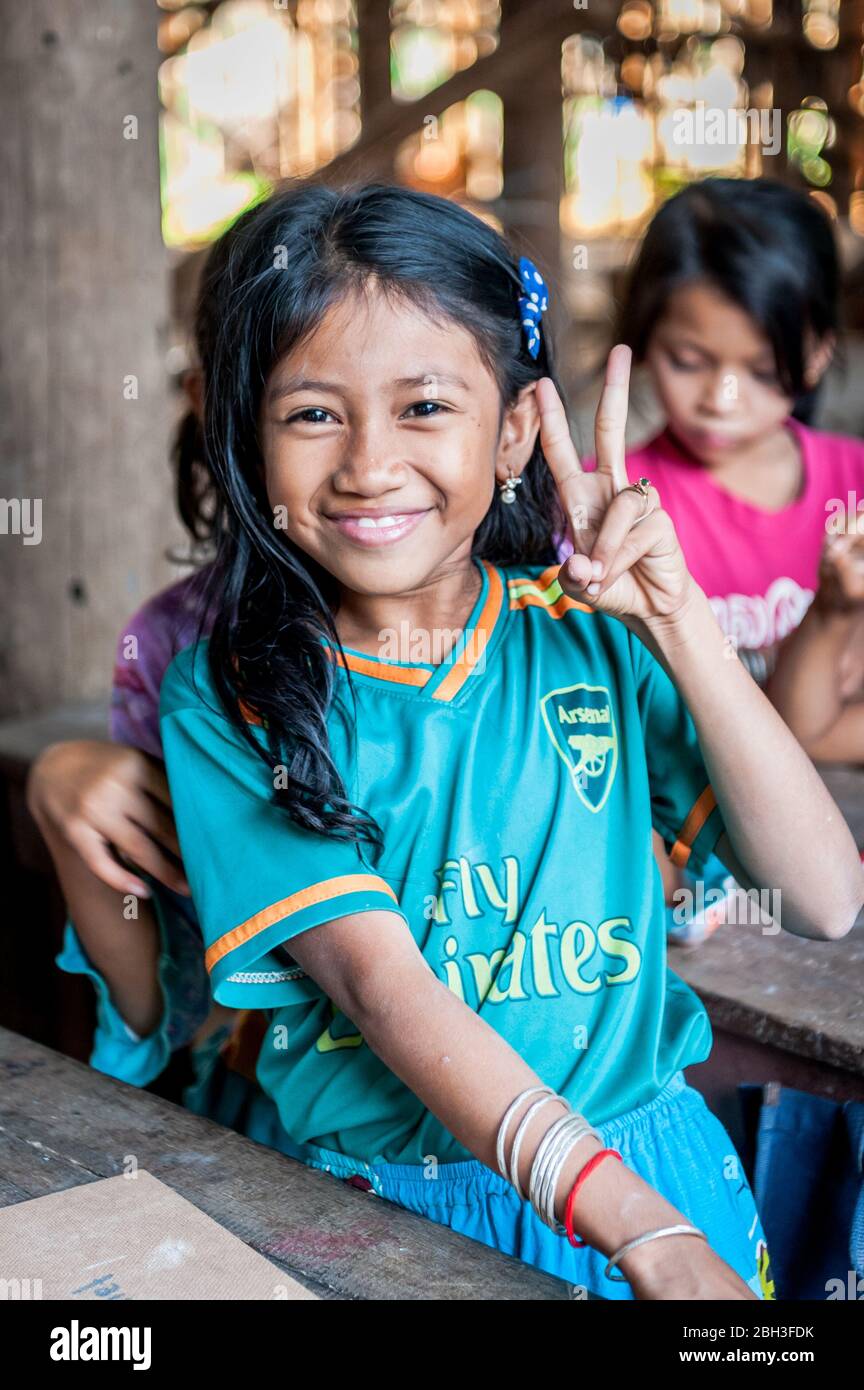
[[188, 684], [168, 620]]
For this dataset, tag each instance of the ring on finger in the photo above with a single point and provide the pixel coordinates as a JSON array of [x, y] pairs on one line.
[[642, 489]]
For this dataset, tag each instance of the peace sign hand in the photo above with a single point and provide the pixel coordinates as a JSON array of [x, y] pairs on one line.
[[627, 559]]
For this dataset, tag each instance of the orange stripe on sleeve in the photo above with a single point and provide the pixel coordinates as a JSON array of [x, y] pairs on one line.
[[332, 888], [696, 818]]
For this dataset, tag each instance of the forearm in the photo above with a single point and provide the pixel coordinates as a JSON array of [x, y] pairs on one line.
[[805, 686], [468, 1075], [784, 827], [124, 949]]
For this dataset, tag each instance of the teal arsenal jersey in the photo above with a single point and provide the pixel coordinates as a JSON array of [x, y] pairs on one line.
[[516, 785]]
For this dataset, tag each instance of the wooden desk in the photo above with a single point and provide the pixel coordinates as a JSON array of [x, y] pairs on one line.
[[62, 1124], [782, 1008]]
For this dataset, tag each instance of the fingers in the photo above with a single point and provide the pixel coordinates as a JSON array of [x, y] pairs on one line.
[[95, 853], [135, 844], [156, 819], [623, 548], [154, 781], [556, 443], [636, 545], [611, 419], [624, 512]]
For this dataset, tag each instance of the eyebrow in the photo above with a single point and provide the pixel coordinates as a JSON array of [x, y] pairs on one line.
[[295, 384]]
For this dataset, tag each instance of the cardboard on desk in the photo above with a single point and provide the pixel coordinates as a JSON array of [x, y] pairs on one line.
[[130, 1238]]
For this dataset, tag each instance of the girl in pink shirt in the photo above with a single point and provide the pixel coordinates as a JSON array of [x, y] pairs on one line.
[[732, 308]]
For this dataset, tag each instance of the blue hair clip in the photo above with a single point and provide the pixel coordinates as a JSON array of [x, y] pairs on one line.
[[532, 304]]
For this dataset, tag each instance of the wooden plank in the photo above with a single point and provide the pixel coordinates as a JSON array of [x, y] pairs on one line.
[[83, 281], [62, 1123], [525, 42], [802, 996]]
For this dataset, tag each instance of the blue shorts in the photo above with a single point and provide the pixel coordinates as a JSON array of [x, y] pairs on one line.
[[674, 1143]]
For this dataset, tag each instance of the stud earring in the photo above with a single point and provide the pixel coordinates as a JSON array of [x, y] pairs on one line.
[[508, 489]]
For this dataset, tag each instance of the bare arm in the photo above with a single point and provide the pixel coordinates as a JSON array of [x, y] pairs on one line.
[[124, 949], [467, 1075], [806, 686], [92, 802], [784, 830], [783, 826]]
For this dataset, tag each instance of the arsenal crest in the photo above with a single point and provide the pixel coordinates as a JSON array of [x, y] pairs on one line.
[[581, 724]]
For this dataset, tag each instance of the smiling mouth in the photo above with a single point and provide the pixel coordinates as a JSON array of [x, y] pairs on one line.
[[370, 528]]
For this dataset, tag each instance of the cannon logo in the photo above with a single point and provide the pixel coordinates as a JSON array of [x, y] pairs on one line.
[[580, 723]]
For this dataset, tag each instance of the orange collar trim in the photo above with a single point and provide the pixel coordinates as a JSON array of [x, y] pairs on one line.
[[476, 638], [475, 644]]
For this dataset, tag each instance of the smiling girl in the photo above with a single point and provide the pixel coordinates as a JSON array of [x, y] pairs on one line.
[[434, 879]]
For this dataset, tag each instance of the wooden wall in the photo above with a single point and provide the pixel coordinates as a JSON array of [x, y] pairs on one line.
[[84, 291]]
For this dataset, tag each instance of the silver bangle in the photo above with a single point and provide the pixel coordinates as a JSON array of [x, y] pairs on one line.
[[546, 1150], [549, 1165], [641, 1240], [569, 1140], [508, 1115], [520, 1135]]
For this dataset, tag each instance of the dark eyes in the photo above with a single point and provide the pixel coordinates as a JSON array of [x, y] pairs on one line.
[[428, 409], [314, 415]]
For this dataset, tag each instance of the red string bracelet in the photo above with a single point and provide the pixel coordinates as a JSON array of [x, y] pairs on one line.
[[589, 1168]]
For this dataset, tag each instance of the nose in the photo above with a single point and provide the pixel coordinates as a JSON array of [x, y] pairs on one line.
[[372, 462], [720, 392]]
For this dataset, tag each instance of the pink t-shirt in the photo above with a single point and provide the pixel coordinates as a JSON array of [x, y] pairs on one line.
[[759, 569]]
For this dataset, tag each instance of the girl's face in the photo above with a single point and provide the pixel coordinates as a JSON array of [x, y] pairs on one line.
[[716, 376], [382, 442]]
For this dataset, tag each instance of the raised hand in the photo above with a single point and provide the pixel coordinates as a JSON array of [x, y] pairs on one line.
[[841, 572], [627, 558]]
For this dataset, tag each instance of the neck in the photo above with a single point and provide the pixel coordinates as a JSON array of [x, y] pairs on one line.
[[440, 606]]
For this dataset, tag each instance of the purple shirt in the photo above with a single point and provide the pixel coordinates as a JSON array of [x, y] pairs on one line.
[[153, 636]]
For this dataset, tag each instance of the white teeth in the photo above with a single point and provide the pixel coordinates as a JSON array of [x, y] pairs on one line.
[[377, 523]]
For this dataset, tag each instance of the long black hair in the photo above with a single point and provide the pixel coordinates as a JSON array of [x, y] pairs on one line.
[[768, 248], [289, 260]]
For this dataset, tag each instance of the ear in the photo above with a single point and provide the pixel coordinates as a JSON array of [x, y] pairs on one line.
[[819, 355], [518, 436]]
